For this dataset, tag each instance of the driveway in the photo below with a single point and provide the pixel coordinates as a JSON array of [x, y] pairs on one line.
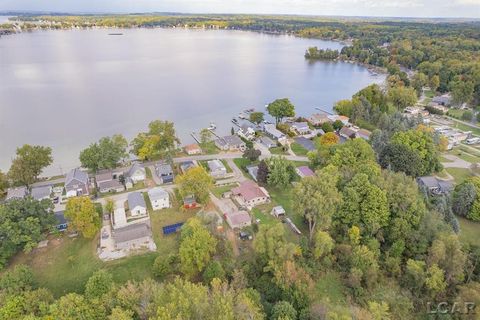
[[456, 162]]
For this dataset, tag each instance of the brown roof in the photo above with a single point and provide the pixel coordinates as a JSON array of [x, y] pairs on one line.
[[347, 132], [249, 190], [192, 147]]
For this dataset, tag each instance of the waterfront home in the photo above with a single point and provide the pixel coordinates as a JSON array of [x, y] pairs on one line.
[[16, 193], [344, 119], [267, 142], [278, 212], [250, 194], [300, 128], [61, 223], [246, 131], [318, 119], [136, 204], [136, 172], [306, 143], [159, 198], [347, 133], [238, 219], [186, 165], [274, 133], [106, 182], [434, 186], [76, 183], [364, 134], [217, 169], [165, 172], [40, 193], [189, 202], [230, 143], [304, 172], [192, 149], [253, 171]]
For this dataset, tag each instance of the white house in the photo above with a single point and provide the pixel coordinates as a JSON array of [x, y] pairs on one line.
[[159, 198], [300, 128], [136, 173], [217, 169], [136, 204]]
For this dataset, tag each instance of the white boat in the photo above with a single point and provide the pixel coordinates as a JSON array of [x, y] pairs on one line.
[[212, 126], [242, 115]]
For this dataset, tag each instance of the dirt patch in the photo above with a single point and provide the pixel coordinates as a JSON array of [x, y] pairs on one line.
[[232, 237]]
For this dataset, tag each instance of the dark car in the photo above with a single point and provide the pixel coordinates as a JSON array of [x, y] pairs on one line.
[[55, 200], [245, 236]]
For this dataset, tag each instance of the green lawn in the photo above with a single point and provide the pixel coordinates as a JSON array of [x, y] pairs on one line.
[[456, 113], [298, 149], [467, 156], [465, 127], [444, 160], [225, 163], [459, 174], [278, 150], [469, 231], [209, 148], [264, 216], [218, 191], [442, 174]]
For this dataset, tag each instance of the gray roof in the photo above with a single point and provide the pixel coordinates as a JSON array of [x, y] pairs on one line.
[[273, 131], [215, 165], [104, 175], [78, 175], [131, 232], [134, 168], [231, 141], [301, 125], [163, 169], [41, 192], [136, 199], [429, 181], [60, 217], [110, 184], [157, 193], [306, 143], [18, 193], [266, 141], [253, 171], [186, 165]]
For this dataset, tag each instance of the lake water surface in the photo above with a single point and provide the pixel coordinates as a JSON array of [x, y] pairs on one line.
[[66, 89]]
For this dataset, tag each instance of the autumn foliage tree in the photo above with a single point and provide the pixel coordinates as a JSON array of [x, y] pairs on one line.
[[196, 181], [83, 216]]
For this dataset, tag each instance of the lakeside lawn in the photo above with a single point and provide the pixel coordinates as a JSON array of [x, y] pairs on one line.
[[298, 149], [464, 154], [469, 231]]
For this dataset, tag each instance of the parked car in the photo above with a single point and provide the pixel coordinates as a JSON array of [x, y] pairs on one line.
[[245, 236], [56, 200]]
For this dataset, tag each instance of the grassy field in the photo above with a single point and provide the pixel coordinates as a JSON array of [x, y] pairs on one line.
[[455, 113], [218, 191], [465, 127], [469, 231], [298, 149], [444, 160], [278, 150], [459, 174], [465, 155]]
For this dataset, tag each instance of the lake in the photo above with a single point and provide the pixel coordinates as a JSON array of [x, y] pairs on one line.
[[66, 89]]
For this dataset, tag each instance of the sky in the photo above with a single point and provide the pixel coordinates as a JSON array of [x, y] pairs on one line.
[[384, 8]]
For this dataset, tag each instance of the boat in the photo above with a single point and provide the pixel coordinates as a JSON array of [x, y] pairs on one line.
[[234, 120], [115, 34], [212, 126], [242, 115]]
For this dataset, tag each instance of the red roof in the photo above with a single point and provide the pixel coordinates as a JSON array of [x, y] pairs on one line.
[[249, 190]]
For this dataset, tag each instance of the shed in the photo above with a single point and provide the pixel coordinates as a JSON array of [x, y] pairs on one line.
[[278, 211]]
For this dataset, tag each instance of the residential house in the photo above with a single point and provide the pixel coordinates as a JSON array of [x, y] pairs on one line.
[[61, 223], [230, 143], [253, 171], [444, 100], [363, 133], [165, 172], [16, 193], [300, 128], [318, 119], [278, 212], [306, 143], [133, 236], [347, 133], [304, 172], [246, 131], [238, 219], [136, 172], [249, 194], [128, 183], [189, 202], [435, 186], [159, 198], [136, 204], [274, 133], [344, 119], [40, 193], [186, 165], [217, 169], [106, 182], [76, 183], [267, 142], [192, 149]]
